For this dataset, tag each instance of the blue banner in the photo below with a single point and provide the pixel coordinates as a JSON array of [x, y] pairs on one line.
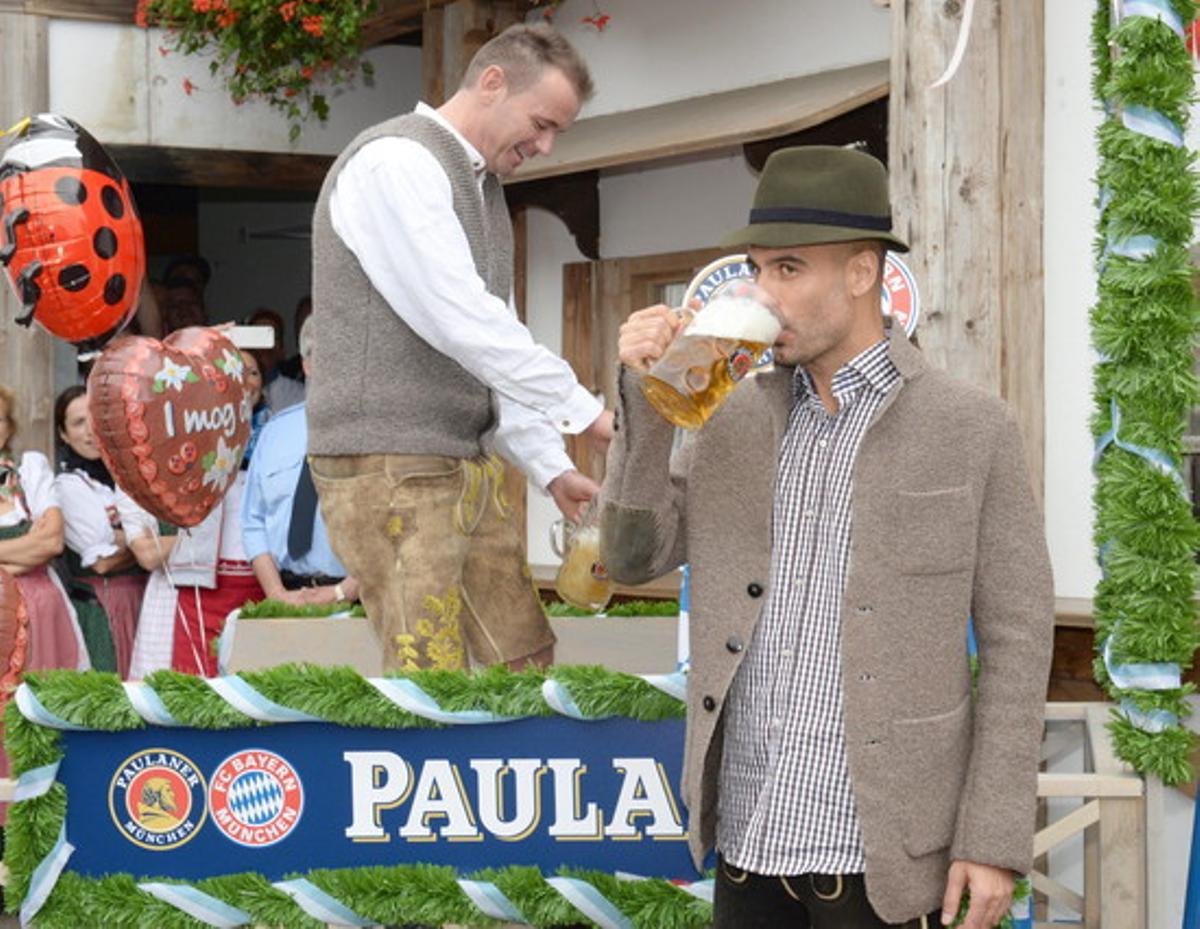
[[188, 803]]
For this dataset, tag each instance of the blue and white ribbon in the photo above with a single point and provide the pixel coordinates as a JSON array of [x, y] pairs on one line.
[[244, 698], [673, 684], [199, 905], [702, 890], [1163, 675], [35, 782], [1152, 124], [225, 641], [148, 704], [410, 697], [683, 645], [960, 46], [1152, 721], [1155, 9], [45, 876], [1137, 247], [31, 708], [590, 902], [560, 700], [320, 905], [1159, 460], [490, 901]]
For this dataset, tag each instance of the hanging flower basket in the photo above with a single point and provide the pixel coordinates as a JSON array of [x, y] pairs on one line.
[[287, 53]]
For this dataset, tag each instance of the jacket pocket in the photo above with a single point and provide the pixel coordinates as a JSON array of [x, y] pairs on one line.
[[933, 752], [934, 531]]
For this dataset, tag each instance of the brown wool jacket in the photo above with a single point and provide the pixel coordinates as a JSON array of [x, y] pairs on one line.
[[944, 526]]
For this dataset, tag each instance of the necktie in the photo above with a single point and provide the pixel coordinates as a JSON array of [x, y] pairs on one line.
[[304, 513]]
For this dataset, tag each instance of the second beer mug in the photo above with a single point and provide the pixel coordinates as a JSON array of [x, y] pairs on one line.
[[582, 580], [716, 349]]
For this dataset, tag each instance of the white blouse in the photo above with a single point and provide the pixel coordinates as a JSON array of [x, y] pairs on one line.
[[193, 560], [37, 483], [86, 526]]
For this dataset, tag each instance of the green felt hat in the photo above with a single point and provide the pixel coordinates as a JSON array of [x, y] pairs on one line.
[[816, 194]]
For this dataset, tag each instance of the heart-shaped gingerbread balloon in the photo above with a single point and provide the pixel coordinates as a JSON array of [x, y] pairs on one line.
[[171, 419], [14, 635]]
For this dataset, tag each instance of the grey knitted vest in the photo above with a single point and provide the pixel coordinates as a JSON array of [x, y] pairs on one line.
[[376, 386]]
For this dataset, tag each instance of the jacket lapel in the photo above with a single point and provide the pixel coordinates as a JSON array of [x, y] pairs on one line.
[[776, 388]]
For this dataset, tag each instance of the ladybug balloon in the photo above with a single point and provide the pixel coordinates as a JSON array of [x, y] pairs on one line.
[[70, 237]]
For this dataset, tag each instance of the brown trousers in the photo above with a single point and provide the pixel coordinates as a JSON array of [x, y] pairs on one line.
[[441, 565]]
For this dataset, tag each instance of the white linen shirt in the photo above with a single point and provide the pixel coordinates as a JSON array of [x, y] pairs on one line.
[[86, 526], [393, 207]]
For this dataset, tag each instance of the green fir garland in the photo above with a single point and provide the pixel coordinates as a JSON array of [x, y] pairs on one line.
[[1144, 326], [426, 894], [390, 895]]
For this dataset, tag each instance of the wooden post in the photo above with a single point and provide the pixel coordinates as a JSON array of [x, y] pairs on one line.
[[966, 171], [1122, 863], [26, 355], [467, 25]]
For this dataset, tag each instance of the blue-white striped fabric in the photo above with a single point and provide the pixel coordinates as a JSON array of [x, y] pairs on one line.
[[786, 805]]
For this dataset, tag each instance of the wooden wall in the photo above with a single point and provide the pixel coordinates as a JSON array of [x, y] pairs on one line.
[[966, 169], [26, 355]]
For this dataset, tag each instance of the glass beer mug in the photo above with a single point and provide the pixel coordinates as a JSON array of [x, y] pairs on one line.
[[717, 347], [582, 579]]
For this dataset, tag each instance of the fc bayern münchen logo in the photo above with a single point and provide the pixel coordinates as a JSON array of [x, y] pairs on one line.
[[256, 797], [156, 799]]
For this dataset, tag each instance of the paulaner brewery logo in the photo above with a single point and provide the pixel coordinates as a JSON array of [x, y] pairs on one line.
[[256, 798], [156, 799], [901, 300]]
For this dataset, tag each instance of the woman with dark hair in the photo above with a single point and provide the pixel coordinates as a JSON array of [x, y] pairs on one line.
[[31, 536], [106, 577]]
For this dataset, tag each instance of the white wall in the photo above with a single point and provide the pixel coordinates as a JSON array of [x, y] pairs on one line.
[[1070, 290], [654, 52], [114, 81]]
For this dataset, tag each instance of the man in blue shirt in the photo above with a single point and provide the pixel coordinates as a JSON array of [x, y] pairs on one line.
[[282, 530]]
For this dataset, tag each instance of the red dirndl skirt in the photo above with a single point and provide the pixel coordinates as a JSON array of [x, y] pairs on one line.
[[200, 616]]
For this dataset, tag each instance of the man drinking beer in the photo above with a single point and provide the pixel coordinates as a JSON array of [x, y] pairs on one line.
[[843, 515]]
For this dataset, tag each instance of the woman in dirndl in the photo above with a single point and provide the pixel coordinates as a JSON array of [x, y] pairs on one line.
[[102, 567], [31, 536]]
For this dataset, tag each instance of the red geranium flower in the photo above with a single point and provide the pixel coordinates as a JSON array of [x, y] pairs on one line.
[[288, 10], [313, 25]]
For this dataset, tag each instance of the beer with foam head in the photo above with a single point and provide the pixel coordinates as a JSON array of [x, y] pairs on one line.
[[711, 356], [582, 579]]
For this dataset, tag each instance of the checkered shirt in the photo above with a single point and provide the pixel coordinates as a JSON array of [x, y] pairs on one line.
[[785, 800]]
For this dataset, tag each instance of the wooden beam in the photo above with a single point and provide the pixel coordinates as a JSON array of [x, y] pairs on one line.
[[1122, 864], [1062, 829], [966, 171], [867, 124], [108, 11], [433, 43], [1022, 154], [395, 18], [208, 167], [573, 198], [26, 355], [1089, 785]]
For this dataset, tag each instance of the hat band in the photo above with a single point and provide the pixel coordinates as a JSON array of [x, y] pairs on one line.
[[789, 214]]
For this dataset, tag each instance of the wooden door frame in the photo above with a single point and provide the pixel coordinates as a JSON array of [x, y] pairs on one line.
[[597, 297]]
